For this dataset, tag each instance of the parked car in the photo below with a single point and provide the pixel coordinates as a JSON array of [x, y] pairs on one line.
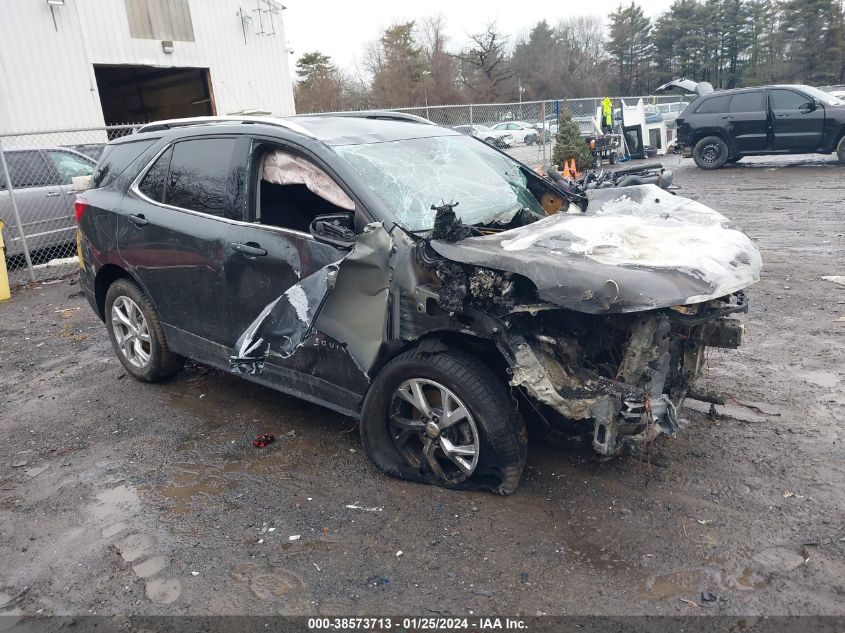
[[497, 138], [41, 183], [521, 131], [668, 111], [411, 277], [724, 126]]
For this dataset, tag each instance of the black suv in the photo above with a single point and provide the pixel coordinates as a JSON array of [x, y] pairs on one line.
[[722, 127], [411, 277]]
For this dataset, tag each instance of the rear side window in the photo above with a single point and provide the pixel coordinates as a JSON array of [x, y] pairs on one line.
[[714, 105], [747, 102], [27, 169], [152, 185], [115, 159], [788, 100], [199, 174]]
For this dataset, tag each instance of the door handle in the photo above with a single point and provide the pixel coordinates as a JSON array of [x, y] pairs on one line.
[[783, 116], [51, 194], [250, 249], [138, 220], [727, 116]]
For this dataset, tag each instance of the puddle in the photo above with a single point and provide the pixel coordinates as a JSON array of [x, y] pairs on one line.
[[194, 481], [163, 591], [267, 583], [134, 547], [113, 529], [821, 378], [750, 579], [671, 585], [116, 503], [151, 566]]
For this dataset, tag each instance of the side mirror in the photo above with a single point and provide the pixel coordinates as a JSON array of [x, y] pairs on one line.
[[812, 105], [337, 229]]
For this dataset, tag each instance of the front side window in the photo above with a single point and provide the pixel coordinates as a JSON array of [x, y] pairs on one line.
[[411, 175], [70, 166], [788, 100], [199, 175], [292, 191]]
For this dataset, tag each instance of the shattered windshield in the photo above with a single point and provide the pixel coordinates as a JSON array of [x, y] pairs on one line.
[[411, 175]]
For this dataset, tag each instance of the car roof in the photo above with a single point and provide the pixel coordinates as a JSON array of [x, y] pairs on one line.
[[749, 88], [334, 129], [55, 148]]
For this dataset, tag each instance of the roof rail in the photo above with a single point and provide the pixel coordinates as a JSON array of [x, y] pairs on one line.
[[387, 115], [167, 124]]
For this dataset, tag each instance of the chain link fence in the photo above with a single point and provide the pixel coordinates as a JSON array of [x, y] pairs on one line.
[[532, 125], [37, 196]]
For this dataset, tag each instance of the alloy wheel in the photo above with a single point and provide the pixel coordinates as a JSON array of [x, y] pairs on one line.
[[434, 430], [131, 333]]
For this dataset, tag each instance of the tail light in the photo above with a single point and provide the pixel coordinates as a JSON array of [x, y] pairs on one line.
[[79, 208]]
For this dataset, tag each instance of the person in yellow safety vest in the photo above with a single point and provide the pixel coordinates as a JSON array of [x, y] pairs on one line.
[[606, 114]]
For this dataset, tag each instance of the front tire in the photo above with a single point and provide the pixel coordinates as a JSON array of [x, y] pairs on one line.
[[840, 150], [711, 152], [444, 419], [137, 335]]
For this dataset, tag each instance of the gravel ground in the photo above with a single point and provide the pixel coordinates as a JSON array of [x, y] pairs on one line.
[[118, 497]]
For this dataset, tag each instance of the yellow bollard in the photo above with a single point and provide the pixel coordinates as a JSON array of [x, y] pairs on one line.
[[4, 275]]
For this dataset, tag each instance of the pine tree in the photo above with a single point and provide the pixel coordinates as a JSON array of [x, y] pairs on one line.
[[569, 144], [631, 46]]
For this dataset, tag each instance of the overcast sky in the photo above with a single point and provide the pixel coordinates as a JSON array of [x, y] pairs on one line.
[[342, 28]]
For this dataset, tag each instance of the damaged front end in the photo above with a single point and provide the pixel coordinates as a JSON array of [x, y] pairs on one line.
[[626, 375], [602, 334]]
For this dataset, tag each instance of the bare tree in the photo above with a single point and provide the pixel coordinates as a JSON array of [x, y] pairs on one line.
[[485, 67]]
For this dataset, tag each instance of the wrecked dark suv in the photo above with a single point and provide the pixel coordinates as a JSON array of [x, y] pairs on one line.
[[411, 277]]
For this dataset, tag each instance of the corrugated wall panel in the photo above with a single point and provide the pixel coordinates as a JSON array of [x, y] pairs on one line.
[[48, 80]]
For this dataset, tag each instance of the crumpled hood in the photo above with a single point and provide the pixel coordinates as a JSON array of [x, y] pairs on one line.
[[637, 248]]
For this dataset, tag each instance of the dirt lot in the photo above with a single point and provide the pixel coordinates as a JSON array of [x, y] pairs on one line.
[[122, 497]]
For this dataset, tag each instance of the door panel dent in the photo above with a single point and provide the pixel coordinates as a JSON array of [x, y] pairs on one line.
[[346, 301]]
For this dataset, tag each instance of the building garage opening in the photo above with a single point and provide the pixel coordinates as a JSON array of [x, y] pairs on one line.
[[140, 94]]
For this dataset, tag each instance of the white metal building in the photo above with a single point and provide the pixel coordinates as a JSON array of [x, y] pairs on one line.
[[86, 63]]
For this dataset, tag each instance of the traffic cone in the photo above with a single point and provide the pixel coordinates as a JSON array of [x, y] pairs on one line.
[[573, 169]]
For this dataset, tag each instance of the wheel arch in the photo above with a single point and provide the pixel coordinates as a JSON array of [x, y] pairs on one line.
[[106, 276]]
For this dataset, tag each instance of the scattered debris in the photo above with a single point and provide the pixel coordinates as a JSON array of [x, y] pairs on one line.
[[399, 553], [294, 537], [357, 507], [837, 279], [195, 573], [20, 463], [752, 407], [263, 440], [691, 603], [707, 596], [34, 472]]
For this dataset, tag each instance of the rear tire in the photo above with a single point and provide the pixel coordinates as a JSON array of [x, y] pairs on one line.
[[492, 423], [711, 152], [840, 150], [136, 334]]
